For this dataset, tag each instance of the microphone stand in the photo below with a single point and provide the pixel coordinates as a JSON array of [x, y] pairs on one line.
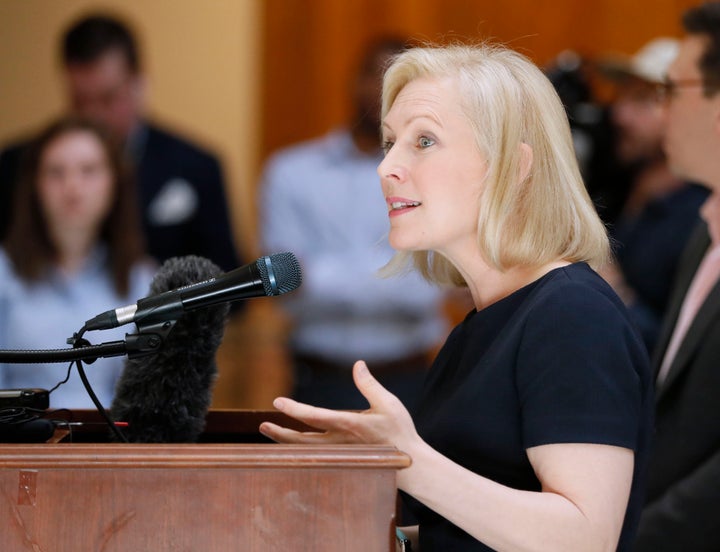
[[147, 341]]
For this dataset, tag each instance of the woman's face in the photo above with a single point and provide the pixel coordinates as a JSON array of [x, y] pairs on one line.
[[432, 173], [75, 183]]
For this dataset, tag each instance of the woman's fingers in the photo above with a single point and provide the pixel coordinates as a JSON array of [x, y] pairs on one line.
[[381, 400], [290, 436], [320, 418], [338, 426], [370, 388], [334, 426]]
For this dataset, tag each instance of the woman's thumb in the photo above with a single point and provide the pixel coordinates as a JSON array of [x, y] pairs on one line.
[[365, 381]]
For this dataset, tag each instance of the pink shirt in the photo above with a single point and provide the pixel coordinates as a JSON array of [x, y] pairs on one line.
[[704, 280]]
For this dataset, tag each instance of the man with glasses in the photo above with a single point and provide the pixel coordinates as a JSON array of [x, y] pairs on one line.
[[660, 209], [683, 485]]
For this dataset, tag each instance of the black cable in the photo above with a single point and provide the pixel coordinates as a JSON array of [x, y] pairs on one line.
[[16, 415], [78, 341], [67, 377], [115, 429], [22, 414]]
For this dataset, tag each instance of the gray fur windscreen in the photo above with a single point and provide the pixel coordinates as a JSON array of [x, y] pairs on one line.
[[165, 397]]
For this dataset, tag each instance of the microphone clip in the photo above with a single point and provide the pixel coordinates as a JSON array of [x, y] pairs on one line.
[[149, 339], [79, 342]]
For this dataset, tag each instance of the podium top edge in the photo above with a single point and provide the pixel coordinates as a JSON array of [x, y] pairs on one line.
[[200, 456]]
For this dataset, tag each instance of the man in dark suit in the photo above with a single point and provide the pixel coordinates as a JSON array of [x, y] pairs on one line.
[[180, 185], [683, 484]]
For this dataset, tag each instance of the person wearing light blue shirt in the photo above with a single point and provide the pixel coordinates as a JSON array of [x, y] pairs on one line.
[[74, 250], [42, 315], [321, 199]]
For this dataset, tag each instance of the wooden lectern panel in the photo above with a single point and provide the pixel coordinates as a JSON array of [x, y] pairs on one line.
[[197, 498]]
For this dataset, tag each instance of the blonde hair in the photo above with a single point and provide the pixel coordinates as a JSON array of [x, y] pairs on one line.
[[543, 217]]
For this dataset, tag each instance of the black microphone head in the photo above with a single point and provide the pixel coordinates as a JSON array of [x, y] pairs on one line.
[[165, 397], [280, 273]]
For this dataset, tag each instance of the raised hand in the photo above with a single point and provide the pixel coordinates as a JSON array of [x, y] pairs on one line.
[[387, 421]]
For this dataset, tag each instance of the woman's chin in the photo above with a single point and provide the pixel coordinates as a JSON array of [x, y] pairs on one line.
[[400, 244]]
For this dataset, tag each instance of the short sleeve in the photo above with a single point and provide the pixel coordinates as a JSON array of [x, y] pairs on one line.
[[579, 371]]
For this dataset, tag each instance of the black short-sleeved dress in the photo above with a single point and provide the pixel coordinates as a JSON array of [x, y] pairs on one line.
[[558, 361]]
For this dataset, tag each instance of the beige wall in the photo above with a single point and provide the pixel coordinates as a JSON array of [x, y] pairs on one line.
[[202, 63]]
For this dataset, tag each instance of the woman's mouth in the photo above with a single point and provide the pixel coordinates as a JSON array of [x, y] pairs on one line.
[[397, 206]]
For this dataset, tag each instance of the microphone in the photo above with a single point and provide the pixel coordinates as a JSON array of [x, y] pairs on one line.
[[165, 397], [268, 276]]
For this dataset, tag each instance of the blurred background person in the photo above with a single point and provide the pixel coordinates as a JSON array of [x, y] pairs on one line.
[[571, 76], [659, 209], [683, 482], [180, 185], [74, 250], [321, 199]]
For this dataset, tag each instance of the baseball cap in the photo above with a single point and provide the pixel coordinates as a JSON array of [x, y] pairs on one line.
[[650, 63]]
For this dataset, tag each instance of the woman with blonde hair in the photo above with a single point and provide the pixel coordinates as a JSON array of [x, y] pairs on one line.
[[532, 429]]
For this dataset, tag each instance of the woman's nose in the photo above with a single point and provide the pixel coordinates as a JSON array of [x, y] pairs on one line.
[[391, 169]]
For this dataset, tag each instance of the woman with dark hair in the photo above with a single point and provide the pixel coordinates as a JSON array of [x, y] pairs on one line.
[[74, 249]]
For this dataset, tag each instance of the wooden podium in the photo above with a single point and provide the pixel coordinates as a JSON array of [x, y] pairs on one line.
[[198, 498]]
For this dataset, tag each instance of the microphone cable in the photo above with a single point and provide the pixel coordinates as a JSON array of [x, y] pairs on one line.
[[67, 377], [18, 415], [77, 342]]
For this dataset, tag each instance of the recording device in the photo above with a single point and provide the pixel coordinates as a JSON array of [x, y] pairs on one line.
[[32, 430], [164, 398], [38, 399], [268, 276]]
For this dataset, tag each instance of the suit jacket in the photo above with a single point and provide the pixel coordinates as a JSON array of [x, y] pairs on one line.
[[181, 197], [682, 509], [10, 159]]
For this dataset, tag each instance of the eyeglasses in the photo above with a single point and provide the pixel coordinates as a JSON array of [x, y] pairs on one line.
[[668, 89]]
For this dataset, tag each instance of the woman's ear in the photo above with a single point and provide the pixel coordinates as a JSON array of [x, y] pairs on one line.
[[526, 161]]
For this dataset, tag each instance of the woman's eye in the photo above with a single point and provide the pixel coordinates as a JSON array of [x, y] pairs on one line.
[[386, 145], [425, 142]]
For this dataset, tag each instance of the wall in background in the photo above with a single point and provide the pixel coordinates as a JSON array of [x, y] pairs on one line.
[[202, 63], [311, 47]]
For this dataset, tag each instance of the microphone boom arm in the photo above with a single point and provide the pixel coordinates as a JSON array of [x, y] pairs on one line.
[[147, 341]]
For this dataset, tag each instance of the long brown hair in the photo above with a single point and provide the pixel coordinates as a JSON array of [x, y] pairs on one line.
[[28, 243]]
